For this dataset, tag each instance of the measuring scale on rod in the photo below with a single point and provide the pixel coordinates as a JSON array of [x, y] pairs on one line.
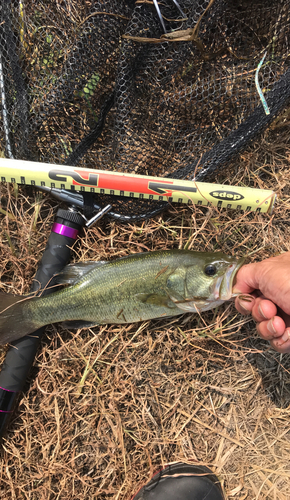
[[62, 177]]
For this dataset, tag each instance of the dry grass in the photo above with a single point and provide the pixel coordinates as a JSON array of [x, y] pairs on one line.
[[106, 407]]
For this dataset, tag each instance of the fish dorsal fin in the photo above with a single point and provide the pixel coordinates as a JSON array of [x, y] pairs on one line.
[[72, 273]]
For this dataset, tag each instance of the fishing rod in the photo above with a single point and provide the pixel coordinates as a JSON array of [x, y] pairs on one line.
[[74, 186], [56, 178], [21, 353]]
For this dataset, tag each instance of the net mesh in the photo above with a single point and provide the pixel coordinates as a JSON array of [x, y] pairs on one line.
[[98, 84]]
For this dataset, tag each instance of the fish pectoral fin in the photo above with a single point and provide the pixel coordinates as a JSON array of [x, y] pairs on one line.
[[76, 324], [189, 306], [193, 305], [74, 272], [155, 299]]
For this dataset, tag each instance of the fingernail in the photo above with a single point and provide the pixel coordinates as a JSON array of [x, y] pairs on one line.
[[246, 297], [285, 337], [261, 312], [270, 327], [244, 302], [242, 306]]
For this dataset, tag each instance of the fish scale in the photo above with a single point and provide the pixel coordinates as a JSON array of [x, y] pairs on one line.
[[135, 288]]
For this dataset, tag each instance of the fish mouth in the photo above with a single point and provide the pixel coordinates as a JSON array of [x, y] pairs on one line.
[[223, 289]]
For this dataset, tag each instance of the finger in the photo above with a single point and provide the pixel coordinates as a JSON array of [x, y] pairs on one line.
[[247, 279], [263, 309], [282, 344], [284, 316], [271, 329], [244, 306]]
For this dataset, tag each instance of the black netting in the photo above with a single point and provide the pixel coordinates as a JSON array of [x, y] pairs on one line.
[[75, 91]]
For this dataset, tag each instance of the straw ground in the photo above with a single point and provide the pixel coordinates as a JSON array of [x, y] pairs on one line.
[[106, 407]]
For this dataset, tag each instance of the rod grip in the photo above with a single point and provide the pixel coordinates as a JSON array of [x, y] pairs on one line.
[[21, 353]]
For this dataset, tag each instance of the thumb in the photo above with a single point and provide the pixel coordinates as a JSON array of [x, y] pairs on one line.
[[247, 279]]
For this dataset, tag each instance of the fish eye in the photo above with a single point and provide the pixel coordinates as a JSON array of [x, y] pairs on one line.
[[210, 270]]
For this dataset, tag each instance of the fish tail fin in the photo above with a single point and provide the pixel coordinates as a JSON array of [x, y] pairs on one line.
[[14, 317]]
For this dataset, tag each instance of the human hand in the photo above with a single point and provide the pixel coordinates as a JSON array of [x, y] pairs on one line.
[[268, 282]]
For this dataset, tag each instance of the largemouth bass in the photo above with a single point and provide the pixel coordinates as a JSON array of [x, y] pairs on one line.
[[135, 288]]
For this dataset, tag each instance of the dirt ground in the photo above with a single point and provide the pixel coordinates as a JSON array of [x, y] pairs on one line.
[[106, 407]]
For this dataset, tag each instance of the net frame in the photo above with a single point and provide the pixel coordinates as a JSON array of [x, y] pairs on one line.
[[100, 85]]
